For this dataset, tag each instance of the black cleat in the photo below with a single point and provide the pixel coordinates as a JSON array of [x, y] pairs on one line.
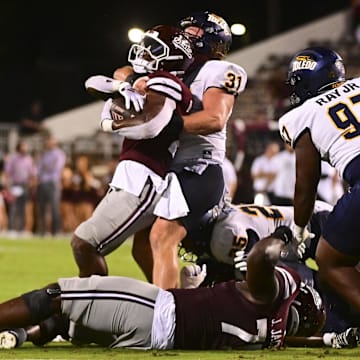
[[349, 338]]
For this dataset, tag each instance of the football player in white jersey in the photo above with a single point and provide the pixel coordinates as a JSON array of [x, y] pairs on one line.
[[214, 83], [238, 227], [324, 125], [225, 245], [228, 240]]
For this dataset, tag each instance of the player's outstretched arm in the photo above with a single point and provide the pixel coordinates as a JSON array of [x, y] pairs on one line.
[[261, 263]]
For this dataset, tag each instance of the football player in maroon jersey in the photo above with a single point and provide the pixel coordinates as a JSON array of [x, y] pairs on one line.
[[120, 312], [140, 177]]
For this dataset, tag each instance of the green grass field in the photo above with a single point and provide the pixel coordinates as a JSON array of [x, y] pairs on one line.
[[29, 264]]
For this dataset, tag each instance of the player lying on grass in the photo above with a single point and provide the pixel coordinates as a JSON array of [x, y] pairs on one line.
[[122, 312], [224, 247]]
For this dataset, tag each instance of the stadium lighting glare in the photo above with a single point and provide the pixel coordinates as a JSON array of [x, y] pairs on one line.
[[135, 35], [238, 29]]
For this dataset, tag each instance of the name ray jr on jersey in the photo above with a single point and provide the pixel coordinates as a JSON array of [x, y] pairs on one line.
[[324, 125]]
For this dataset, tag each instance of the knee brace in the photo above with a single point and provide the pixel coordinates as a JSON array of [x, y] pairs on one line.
[[41, 302]]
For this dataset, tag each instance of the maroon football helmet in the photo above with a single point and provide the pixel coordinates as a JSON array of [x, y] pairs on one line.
[[307, 313], [162, 48]]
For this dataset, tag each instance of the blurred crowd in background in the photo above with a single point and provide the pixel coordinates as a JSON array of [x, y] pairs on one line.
[[47, 193], [48, 188]]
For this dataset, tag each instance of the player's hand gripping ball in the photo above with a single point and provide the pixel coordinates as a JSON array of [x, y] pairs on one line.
[[154, 102]]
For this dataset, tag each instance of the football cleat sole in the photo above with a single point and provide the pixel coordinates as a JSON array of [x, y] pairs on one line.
[[8, 340]]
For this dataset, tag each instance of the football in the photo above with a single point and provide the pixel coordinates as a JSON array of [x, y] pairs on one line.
[[122, 117], [103, 88]]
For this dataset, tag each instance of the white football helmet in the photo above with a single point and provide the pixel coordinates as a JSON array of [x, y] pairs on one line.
[[162, 48]]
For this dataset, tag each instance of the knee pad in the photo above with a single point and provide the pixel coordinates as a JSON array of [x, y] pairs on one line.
[[41, 302]]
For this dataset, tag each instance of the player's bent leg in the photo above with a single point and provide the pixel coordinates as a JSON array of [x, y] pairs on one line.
[[88, 259], [113, 305], [48, 330], [30, 308], [118, 216], [142, 254], [165, 236], [338, 271]]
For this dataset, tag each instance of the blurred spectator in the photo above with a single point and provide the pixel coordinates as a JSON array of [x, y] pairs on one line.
[[230, 177], [278, 93], [258, 132], [3, 195], [355, 20], [50, 167], [236, 142], [20, 177], [30, 208], [263, 174], [67, 204], [259, 121], [108, 174], [3, 215], [31, 122], [284, 181], [247, 139], [86, 189], [330, 187]]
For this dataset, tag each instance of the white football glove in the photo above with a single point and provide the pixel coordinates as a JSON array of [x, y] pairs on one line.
[[301, 234], [131, 96], [301, 248], [191, 276], [240, 260]]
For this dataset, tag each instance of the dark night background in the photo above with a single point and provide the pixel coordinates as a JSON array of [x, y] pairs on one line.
[[48, 48]]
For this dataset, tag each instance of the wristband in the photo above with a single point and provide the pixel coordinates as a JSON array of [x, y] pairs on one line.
[[116, 85], [106, 125], [123, 85], [298, 231]]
